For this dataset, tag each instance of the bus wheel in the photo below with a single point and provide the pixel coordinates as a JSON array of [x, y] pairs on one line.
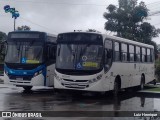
[[142, 82], [27, 88], [116, 87]]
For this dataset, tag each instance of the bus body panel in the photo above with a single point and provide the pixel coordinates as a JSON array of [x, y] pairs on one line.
[[39, 80], [101, 85], [131, 73], [35, 81], [106, 83]]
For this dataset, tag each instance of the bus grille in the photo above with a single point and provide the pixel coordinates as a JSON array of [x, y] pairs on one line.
[[12, 77], [79, 84]]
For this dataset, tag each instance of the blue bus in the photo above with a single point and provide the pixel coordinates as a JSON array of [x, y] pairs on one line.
[[30, 59]]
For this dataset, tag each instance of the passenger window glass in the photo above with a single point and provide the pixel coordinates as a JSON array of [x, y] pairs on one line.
[[117, 52], [131, 53], [108, 54], [124, 52], [148, 55], [143, 55], [138, 54]]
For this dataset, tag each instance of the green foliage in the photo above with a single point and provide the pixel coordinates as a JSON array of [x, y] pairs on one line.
[[3, 38], [93, 30], [154, 89], [127, 21], [23, 28]]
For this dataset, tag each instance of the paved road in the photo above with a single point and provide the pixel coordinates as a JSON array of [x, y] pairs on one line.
[[42, 99]]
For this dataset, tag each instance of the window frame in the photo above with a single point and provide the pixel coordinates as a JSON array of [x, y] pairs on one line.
[[135, 53]]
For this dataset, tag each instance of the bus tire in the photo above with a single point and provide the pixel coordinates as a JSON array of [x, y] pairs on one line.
[[27, 88], [116, 87], [142, 82]]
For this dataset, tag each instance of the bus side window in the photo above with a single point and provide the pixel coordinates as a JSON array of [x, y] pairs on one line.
[[53, 52], [108, 54], [148, 55], [124, 52], [143, 54], [48, 52], [117, 51], [138, 54], [131, 53]]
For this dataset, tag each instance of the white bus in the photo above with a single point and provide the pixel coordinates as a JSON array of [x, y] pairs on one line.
[[96, 62], [30, 59]]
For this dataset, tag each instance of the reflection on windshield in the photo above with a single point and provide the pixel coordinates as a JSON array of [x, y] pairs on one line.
[[24, 52], [13, 54], [79, 57], [31, 54]]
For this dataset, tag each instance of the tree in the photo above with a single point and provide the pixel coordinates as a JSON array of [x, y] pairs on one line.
[[3, 38], [93, 30], [127, 21], [23, 28]]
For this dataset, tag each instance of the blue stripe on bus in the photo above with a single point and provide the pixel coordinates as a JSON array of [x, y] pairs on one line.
[[24, 72], [44, 74]]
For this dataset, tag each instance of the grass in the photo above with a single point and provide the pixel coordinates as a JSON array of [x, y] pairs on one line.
[[154, 89]]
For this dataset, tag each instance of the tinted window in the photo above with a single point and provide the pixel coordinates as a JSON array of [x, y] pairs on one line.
[[124, 52], [143, 54], [108, 54], [117, 52], [108, 44], [131, 53], [148, 55], [138, 51]]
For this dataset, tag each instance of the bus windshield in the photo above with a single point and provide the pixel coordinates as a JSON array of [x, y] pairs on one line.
[[24, 52], [79, 56]]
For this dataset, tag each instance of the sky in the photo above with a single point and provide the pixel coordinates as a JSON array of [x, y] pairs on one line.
[[57, 16]]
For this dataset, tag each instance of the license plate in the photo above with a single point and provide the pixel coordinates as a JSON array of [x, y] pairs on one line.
[[19, 78]]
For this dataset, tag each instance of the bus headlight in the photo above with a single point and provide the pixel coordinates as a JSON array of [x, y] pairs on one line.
[[95, 79], [57, 77], [99, 77], [92, 80], [37, 73]]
